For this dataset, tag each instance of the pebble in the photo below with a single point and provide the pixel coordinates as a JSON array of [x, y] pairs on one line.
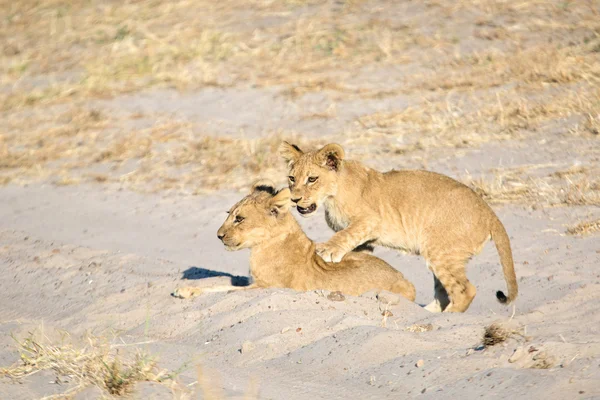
[[517, 355], [420, 363], [336, 296], [247, 347]]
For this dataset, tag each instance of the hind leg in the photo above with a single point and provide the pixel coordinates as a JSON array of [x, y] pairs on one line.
[[440, 297], [453, 278]]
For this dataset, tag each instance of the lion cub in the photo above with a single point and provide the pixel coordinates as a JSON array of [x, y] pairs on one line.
[[283, 256], [415, 211]]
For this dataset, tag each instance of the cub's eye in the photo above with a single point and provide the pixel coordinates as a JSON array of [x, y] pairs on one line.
[[292, 179], [239, 219], [312, 179]]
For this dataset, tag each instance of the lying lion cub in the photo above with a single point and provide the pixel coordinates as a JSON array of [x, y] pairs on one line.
[[416, 211], [283, 256]]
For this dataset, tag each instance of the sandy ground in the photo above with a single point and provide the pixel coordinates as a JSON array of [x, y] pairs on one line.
[[83, 259], [90, 246]]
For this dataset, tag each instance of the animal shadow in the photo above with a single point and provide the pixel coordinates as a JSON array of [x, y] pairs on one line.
[[203, 273]]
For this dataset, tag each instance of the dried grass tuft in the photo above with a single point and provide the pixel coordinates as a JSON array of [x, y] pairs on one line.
[[418, 328], [585, 228], [97, 363], [542, 360], [496, 333]]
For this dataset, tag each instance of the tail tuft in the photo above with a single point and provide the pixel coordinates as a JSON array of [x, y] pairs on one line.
[[508, 267], [501, 297]]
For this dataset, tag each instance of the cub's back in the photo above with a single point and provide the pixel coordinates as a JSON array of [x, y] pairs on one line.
[[425, 186], [439, 204]]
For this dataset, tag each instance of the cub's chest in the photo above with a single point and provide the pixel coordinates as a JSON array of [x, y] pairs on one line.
[[336, 217]]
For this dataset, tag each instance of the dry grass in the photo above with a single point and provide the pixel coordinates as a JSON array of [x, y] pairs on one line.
[[418, 328], [530, 78], [168, 155], [105, 48], [199, 165], [97, 363], [114, 48], [495, 334], [473, 119], [70, 146], [542, 360], [575, 186], [86, 49], [585, 228], [530, 66]]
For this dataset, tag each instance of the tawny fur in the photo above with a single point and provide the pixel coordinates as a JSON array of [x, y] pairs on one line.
[[283, 256], [414, 211]]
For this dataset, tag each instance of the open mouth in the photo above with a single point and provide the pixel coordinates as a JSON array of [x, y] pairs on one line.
[[307, 210]]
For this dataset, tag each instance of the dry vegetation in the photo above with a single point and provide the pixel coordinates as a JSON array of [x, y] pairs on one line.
[[572, 186], [496, 333], [585, 228], [418, 328], [532, 357], [97, 363], [165, 156], [521, 68]]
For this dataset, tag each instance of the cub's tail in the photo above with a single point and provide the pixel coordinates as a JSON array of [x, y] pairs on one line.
[[502, 242]]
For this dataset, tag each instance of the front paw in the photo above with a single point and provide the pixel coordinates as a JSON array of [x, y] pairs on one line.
[[186, 292], [330, 253]]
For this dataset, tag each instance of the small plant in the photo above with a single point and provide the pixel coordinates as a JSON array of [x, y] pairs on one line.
[[495, 334], [96, 364], [119, 378], [543, 360]]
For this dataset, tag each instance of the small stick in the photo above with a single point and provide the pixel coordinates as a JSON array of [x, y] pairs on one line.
[[513, 313], [563, 338]]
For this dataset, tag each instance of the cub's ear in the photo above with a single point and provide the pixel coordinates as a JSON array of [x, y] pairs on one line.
[[263, 185], [290, 152], [280, 203], [331, 156]]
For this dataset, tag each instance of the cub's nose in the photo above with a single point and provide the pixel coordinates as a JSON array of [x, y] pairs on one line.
[[297, 199], [220, 236]]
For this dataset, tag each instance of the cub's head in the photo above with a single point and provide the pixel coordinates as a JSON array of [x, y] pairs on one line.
[[312, 175], [257, 217]]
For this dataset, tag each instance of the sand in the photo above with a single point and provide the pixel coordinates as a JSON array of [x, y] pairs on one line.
[[83, 260]]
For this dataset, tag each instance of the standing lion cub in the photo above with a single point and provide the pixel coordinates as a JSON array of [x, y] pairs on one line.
[[281, 255], [415, 211]]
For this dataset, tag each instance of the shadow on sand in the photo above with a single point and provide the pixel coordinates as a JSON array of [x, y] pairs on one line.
[[203, 273]]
